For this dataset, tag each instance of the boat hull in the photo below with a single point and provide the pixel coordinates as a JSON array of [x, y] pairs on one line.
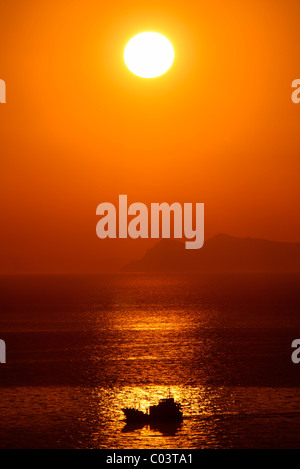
[[137, 416]]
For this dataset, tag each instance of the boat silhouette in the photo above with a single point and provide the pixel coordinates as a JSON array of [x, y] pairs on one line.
[[167, 410]]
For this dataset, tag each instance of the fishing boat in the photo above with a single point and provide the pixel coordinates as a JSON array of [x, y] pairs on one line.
[[167, 410]]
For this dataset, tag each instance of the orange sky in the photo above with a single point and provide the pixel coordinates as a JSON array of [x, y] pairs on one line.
[[79, 129]]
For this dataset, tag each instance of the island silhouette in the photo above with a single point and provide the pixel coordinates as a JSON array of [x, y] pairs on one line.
[[221, 253]]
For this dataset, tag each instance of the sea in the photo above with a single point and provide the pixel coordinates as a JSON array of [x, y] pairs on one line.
[[79, 348]]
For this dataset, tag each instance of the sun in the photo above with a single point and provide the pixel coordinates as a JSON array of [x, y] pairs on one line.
[[149, 55]]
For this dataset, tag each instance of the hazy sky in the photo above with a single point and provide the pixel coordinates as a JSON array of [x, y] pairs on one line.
[[79, 128]]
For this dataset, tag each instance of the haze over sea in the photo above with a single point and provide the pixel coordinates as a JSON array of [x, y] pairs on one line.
[[79, 348]]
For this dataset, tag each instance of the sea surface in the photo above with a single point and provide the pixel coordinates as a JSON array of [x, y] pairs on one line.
[[79, 348]]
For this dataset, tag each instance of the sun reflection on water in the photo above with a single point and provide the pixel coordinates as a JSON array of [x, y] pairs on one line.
[[152, 320], [92, 418], [120, 434]]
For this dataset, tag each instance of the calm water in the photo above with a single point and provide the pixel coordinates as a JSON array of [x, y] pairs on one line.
[[79, 348]]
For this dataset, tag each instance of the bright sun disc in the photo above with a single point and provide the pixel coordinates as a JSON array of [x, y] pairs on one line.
[[149, 55]]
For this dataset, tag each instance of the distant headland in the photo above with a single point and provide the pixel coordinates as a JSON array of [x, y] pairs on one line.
[[221, 253]]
